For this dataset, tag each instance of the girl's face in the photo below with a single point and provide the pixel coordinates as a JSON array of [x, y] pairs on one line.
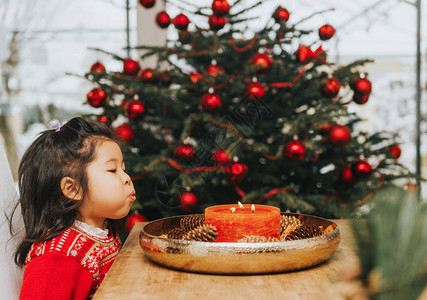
[[110, 191]]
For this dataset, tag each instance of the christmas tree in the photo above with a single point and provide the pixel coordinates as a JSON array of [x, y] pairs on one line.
[[224, 117]]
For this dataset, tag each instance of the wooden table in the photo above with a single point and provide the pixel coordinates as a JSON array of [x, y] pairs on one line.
[[133, 276]]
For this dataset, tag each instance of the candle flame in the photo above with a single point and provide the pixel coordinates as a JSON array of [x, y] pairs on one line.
[[253, 208], [232, 210], [241, 205]]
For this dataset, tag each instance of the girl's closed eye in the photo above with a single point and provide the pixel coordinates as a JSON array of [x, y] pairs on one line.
[[112, 171]]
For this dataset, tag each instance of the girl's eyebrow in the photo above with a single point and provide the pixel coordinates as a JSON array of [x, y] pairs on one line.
[[113, 160]]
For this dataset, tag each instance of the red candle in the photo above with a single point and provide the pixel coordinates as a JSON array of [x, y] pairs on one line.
[[234, 223]]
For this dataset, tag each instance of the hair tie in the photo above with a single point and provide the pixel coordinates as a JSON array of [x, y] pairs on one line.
[[55, 124]]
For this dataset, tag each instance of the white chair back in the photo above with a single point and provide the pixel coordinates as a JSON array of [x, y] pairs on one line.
[[10, 274]]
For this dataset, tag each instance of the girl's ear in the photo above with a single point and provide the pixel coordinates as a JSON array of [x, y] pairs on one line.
[[71, 189]]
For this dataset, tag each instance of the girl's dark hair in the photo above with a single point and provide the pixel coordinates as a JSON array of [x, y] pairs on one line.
[[53, 155]]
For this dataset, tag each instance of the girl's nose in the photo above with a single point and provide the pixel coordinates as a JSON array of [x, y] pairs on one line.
[[126, 178]]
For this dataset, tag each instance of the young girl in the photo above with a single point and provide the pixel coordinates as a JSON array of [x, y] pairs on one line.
[[72, 185]]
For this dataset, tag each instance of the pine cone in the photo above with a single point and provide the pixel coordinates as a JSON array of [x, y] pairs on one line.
[[176, 233], [286, 222], [304, 232], [257, 239], [205, 233], [192, 222]]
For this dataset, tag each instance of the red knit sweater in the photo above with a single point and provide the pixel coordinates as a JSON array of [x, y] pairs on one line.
[[69, 266]]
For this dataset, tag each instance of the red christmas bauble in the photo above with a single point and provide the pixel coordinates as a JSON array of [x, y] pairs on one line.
[[133, 218], [125, 133], [255, 90], [97, 68], [163, 20], [326, 32], [361, 86], [339, 136], [295, 150], [184, 151], [360, 99], [331, 88], [189, 202], [236, 172], [130, 67], [394, 151], [147, 3], [220, 7], [107, 120], [262, 61], [134, 109], [147, 75], [325, 128], [281, 14], [194, 76], [220, 157], [346, 176], [97, 97], [361, 168], [181, 22], [216, 22], [211, 102], [213, 70]]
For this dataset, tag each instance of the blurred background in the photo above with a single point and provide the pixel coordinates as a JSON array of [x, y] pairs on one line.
[[46, 45]]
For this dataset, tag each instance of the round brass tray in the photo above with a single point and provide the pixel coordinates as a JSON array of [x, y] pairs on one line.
[[237, 258]]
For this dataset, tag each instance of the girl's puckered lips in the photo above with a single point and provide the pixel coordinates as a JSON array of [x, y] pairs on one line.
[[132, 196]]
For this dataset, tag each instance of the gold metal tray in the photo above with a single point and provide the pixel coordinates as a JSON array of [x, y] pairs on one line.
[[237, 258]]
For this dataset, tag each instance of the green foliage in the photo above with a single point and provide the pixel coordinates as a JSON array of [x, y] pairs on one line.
[[392, 244], [252, 131]]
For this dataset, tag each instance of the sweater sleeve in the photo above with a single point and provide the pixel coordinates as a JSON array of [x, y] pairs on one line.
[[55, 276]]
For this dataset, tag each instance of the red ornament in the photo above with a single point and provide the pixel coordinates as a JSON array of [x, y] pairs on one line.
[[236, 172], [361, 168], [346, 176], [394, 151], [360, 99], [184, 151], [213, 70], [361, 86], [194, 76], [221, 157], [147, 75], [216, 22], [326, 32], [339, 136], [163, 20], [295, 150], [97, 68], [134, 109], [107, 120], [188, 202], [331, 88], [255, 90], [130, 67], [181, 22], [125, 133], [325, 128], [220, 7], [262, 61], [281, 14], [97, 97], [133, 218], [147, 3], [211, 102]]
